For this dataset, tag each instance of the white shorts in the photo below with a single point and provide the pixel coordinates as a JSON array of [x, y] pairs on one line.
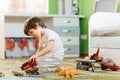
[[49, 62]]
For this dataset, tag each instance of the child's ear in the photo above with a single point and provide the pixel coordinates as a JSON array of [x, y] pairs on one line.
[[37, 24]]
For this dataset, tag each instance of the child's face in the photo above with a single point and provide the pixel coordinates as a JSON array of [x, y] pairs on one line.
[[34, 33]]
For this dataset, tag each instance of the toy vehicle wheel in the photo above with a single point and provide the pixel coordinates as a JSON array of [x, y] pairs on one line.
[[78, 65], [86, 68], [82, 67]]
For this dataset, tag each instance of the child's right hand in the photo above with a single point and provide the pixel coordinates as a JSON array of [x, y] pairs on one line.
[[33, 58]]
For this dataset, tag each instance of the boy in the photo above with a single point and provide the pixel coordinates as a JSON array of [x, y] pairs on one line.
[[50, 48]]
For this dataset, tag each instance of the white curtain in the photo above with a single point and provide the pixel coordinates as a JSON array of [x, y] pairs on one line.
[[4, 5], [24, 6]]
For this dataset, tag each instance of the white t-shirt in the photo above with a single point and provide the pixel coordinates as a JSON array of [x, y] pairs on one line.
[[58, 49]]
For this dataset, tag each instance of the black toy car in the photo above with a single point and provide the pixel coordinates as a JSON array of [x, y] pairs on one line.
[[88, 65]]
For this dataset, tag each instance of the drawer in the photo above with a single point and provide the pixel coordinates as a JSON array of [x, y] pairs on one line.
[[67, 30], [66, 22], [70, 40], [77, 49], [71, 49]]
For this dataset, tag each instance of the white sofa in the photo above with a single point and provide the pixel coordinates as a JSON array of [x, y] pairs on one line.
[[104, 32]]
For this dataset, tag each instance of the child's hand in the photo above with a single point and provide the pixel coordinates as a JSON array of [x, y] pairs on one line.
[[33, 58]]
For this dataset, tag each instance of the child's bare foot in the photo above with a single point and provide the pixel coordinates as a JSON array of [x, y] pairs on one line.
[[60, 68]]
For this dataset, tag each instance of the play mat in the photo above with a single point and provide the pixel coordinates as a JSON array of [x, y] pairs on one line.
[[8, 65]]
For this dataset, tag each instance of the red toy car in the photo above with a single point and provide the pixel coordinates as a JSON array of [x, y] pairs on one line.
[[28, 65]]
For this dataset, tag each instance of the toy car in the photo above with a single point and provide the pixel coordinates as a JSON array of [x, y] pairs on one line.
[[88, 65], [28, 65], [1, 74], [36, 71], [32, 71], [18, 73]]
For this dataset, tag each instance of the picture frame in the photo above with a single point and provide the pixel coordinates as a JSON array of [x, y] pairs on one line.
[[105, 6]]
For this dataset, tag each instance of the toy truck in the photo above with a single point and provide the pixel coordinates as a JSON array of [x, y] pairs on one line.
[[88, 65], [28, 65]]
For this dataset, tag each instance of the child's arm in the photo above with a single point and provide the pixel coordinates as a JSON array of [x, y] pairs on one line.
[[39, 49], [47, 49], [43, 51]]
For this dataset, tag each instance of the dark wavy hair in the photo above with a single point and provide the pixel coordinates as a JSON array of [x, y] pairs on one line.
[[31, 24]]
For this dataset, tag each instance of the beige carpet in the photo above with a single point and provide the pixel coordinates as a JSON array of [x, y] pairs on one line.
[[8, 65]]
